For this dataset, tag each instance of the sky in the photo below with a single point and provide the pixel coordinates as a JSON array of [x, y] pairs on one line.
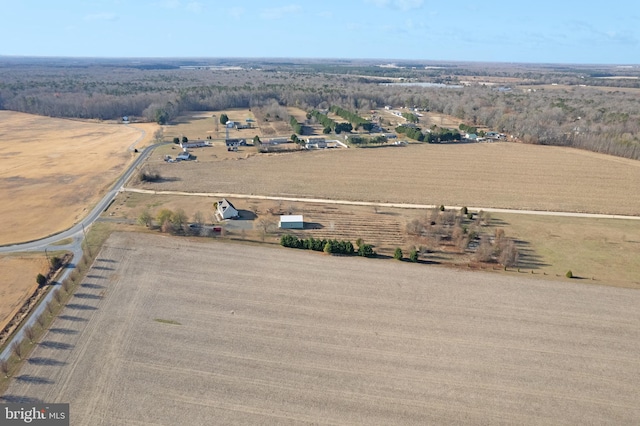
[[542, 31]]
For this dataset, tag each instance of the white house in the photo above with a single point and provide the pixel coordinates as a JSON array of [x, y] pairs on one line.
[[184, 156], [225, 210], [295, 221]]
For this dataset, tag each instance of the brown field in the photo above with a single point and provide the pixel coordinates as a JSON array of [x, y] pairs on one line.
[[18, 282], [504, 175], [53, 170], [261, 335]]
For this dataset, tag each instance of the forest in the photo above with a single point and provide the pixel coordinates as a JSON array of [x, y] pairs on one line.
[[595, 108]]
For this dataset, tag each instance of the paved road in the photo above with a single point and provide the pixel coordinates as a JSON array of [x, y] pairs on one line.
[[76, 229], [76, 233]]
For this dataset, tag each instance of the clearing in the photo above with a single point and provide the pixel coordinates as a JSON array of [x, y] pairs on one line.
[[252, 335]]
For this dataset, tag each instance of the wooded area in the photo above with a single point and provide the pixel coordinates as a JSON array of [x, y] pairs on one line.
[[588, 113]]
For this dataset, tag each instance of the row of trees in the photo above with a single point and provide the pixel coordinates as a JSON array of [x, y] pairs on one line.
[[297, 127], [352, 118], [328, 246], [411, 132]]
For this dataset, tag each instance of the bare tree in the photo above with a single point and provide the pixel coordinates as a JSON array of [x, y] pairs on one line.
[[4, 368], [17, 350], [42, 321], [30, 333], [484, 251], [509, 254], [51, 308], [158, 135], [145, 219], [265, 225], [57, 295], [198, 218], [179, 218]]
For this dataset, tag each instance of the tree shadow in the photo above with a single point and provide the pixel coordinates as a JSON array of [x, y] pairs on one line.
[[34, 379], [72, 318], [95, 277], [528, 259], [16, 399], [81, 307], [63, 331], [56, 345], [90, 285], [87, 296], [46, 361], [313, 225], [103, 268], [105, 260]]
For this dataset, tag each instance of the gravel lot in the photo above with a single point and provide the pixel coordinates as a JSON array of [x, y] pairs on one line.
[[168, 331]]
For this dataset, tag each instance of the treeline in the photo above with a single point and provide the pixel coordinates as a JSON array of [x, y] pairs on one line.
[[328, 246], [297, 127], [362, 140], [606, 121], [434, 135], [352, 118], [330, 124], [411, 132]]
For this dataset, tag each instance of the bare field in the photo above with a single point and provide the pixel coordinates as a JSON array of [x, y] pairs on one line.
[[238, 334], [506, 175], [54, 170], [18, 282]]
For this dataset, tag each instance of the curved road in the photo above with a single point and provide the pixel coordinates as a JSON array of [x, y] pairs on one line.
[[76, 229], [75, 247]]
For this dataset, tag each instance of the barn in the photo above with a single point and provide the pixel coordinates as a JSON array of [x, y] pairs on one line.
[[294, 221]]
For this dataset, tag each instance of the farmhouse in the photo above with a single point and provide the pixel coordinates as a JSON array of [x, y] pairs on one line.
[[225, 210], [184, 156], [291, 222]]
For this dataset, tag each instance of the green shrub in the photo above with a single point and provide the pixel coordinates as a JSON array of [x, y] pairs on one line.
[[397, 255], [413, 255], [441, 207], [569, 274], [465, 211], [41, 280]]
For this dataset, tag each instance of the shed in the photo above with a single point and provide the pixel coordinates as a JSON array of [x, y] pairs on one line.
[[294, 221]]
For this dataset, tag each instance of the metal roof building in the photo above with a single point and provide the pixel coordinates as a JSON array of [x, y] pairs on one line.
[[294, 221]]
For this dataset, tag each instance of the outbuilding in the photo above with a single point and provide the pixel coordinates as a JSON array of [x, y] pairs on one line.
[[292, 221]]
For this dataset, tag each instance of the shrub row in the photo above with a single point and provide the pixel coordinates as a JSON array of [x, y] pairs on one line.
[[328, 246], [297, 127], [352, 118]]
